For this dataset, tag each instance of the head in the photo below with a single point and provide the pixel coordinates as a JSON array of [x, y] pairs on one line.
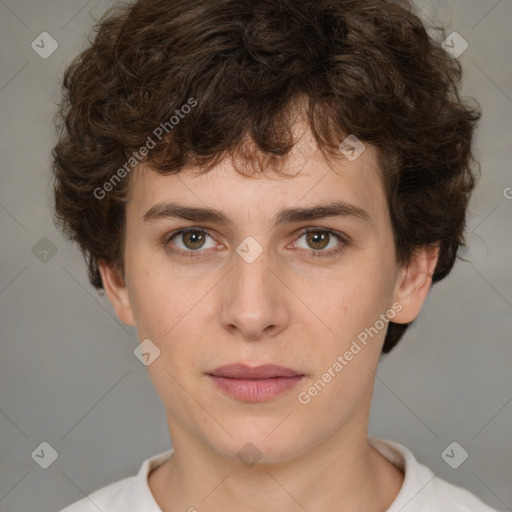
[[345, 119]]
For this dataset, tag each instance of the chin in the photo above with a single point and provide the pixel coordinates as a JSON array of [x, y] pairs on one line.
[[264, 440]]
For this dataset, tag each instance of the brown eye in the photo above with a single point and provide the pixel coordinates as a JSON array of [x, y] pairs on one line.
[[322, 243], [190, 240], [193, 239], [318, 239]]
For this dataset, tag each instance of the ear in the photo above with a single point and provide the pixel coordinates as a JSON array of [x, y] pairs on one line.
[[116, 291], [414, 282]]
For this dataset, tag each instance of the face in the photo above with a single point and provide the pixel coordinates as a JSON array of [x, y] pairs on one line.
[[272, 283]]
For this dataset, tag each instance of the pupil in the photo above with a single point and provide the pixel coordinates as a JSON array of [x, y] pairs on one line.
[[195, 239], [319, 238]]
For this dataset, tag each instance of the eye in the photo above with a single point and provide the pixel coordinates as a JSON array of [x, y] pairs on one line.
[[192, 241], [318, 239]]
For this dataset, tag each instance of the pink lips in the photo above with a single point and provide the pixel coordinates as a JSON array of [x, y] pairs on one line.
[[241, 371], [255, 384]]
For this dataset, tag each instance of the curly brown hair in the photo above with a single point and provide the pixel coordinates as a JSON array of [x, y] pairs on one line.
[[364, 67]]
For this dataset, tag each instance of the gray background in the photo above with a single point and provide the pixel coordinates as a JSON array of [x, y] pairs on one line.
[[68, 375]]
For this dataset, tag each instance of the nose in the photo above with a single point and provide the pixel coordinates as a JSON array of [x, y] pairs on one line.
[[255, 300]]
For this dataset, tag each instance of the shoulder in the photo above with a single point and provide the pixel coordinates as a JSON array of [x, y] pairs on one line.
[[422, 490], [112, 498], [131, 493], [443, 496]]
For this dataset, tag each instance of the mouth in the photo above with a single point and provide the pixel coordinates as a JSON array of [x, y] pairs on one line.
[[255, 384], [242, 371]]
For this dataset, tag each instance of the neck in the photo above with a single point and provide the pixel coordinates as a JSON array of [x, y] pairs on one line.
[[342, 473]]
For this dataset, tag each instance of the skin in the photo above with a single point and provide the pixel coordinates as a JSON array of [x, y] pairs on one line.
[[284, 308]]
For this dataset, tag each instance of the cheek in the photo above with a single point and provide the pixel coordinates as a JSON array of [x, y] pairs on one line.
[[167, 311], [160, 298], [344, 303], [347, 353], [152, 309], [171, 311]]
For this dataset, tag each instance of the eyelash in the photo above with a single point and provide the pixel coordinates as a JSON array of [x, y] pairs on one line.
[[314, 254]]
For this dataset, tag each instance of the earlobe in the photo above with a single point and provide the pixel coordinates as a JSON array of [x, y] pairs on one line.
[[414, 282], [116, 291]]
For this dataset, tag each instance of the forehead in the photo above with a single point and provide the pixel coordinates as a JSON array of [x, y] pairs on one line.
[[312, 180]]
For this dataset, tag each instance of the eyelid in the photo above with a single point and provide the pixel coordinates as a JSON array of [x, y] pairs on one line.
[[333, 232]]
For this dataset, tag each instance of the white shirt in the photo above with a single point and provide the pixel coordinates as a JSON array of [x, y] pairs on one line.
[[421, 490]]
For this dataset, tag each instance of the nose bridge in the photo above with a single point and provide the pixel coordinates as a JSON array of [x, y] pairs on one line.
[[254, 301]]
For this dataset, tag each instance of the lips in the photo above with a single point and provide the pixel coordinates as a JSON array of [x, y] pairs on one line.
[[255, 383], [242, 371]]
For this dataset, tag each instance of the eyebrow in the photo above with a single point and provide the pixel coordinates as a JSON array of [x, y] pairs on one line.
[[288, 215]]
